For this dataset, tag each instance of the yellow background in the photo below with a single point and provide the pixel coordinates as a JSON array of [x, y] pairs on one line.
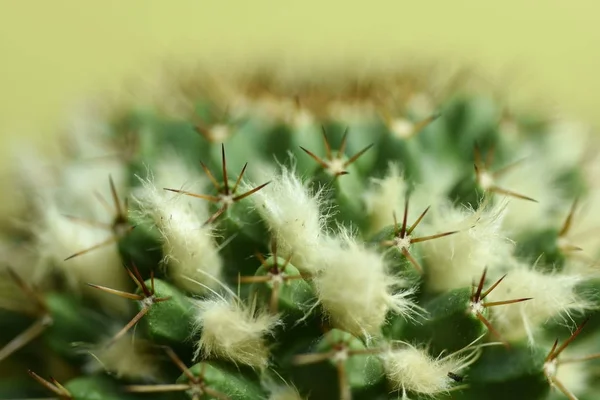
[[53, 52]]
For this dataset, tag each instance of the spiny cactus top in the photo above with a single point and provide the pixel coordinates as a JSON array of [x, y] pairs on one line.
[[324, 238]]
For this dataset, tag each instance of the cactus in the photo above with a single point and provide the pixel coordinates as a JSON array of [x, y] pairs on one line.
[[330, 238]]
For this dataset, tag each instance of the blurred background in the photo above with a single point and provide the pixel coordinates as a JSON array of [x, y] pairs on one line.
[[54, 53]]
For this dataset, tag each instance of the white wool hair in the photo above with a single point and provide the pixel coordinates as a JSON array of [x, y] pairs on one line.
[[356, 288], [533, 178], [128, 358], [438, 175], [260, 171], [72, 183], [60, 237], [295, 217], [568, 141], [88, 130], [74, 177], [36, 173], [172, 172], [453, 261], [79, 181], [283, 392], [553, 298], [190, 249], [402, 128], [386, 196], [577, 375], [574, 376], [233, 331], [95, 157], [421, 104], [410, 369]]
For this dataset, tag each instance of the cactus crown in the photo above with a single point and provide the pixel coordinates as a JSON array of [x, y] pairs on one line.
[[268, 238]]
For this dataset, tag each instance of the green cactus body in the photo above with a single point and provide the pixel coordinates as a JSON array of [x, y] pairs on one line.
[[169, 322], [216, 382], [96, 388], [66, 327], [505, 373], [283, 287], [307, 239]]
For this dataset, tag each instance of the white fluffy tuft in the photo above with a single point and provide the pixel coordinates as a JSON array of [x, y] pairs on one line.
[[189, 247], [568, 141], [234, 331], [295, 218], [574, 376], [128, 358], [356, 288], [553, 297], [386, 196], [92, 157], [454, 261], [410, 369], [60, 237], [79, 181], [283, 392], [88, 131], [533, 178]]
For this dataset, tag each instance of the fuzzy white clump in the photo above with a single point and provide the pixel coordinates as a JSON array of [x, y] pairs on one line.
[[534, 178], [80, 180], [59, 238], [386, 196], [75, 180], [172, 172], [421, 104], [295, 218], [92, 157], [454, 261], [127, 358], [233, 331], [260, 171], [410, 369], [35, 173], [437, 177], [572, 369], [189, 247], [88, 130], [568, 142], [69, 187], [553, 298], [283, 392], [575, 376], [356, 288], [402, 128]]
